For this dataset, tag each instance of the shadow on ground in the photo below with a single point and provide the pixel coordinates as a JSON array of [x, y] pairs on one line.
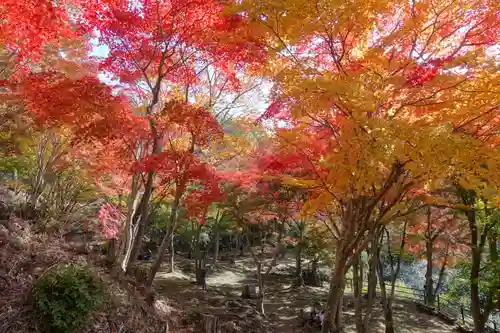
[[282, 302]]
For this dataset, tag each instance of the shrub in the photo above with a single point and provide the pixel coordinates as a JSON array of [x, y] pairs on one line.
[[65, 296]]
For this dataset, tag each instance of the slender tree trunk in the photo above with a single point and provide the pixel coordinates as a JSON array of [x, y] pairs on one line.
[[261, 277], [475, 299], [261, 240], [386, 301], [171, 252], [388, 319], [477, 314], [236, 242], [429, 283], [260, 296], [358, 294], [197, 255], [372, 270], [191, 241], [167, 241], [298, 268], [217, 238], [141, 217], [129, 232], [441, 272], [298, 260], [314, 272], [372, 282], [240, 238], [217, 245], [333, 311]]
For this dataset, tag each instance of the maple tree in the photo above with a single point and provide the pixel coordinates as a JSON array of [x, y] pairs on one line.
[[28, 26], [153, 44], [375, 106], [372, 99], [155, 52], [439, 236]]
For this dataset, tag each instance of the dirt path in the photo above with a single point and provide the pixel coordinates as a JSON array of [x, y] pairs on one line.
[[282, 302]]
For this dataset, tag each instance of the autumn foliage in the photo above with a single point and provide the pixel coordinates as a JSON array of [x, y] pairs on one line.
[[374, 108]]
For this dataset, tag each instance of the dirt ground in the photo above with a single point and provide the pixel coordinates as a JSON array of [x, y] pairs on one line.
[[282, 302]]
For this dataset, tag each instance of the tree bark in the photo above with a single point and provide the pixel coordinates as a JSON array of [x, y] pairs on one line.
[[167, 241], [389, 322], [260, 295], [372, 283], [478, 240], [142, 217], [333, 311], [128, 233], [217, 238], [260, 276], [372, 269], [441, 272], [358, 293], [240, 238], [387, 299], [314, 272], [429, 283], [386, 302], [192, 240], [197, 255], [261, 238], [209, 323], [171, 252], [298, 260]]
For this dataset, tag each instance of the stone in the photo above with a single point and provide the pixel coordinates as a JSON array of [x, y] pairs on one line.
[[229, 327]]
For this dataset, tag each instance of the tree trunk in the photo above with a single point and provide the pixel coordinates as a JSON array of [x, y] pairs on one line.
[[389, 322], [388, 298], [192, 240], [217, 239], [260, 295], [477, 314], [298, 268], [372, 282], [298, 261], [111, 251], [441, 272], [197, 255], [314, 272], [358, 293], [171, 252], [245, 292], [142, 216], [386, 301], [217, 245], [362, 318], [260, 276], [261, 237], [128, 233], [429, 283], [372, 270], [240, 238], [167, 241], [209, 323], [474, 286], [333, 311]]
